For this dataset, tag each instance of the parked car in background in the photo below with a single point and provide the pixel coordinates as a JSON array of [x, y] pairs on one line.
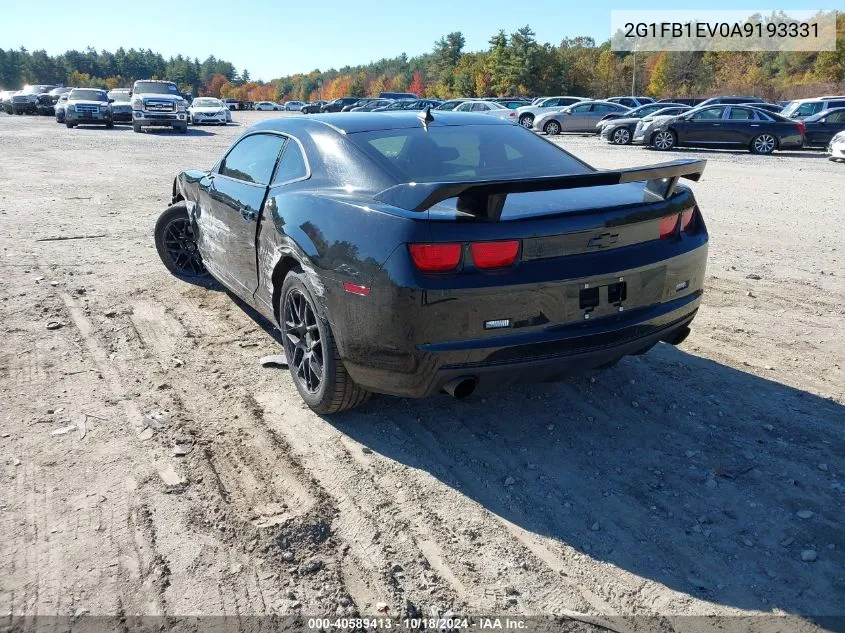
[[526, 114], [208, 110], [768, 107], [313, 108], [731, 100], [233, 104], [631, 102], [266, 105], [820, 128], [121, 107], [294, 106], [88, 106], [802, 108], [490, 108], [359, 103], [55, 93], [59, 108], [408, 104], [836, 147], [33, 99], [682, 100], [581, 117], [6, 101], [158, 104], [640, 112], [398, 95], [511, 104], [620, 131], [428, 262], [450, 104], [727, 126], [372, 104], [338, 104]]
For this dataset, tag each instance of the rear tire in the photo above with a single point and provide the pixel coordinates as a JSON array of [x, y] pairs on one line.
[[526, 121], [176, 243], [763, 144], [313, 359]]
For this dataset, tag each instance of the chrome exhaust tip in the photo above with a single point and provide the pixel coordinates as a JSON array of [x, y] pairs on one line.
[[461, 387]]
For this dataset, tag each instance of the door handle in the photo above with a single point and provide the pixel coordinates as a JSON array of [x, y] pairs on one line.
[[755, 125], [716, 124], [248, 214]]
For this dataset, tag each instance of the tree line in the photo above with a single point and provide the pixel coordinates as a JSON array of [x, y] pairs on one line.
[[513, 64]]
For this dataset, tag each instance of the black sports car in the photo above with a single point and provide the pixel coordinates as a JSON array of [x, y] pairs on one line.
[[727, 126], [419, 252]]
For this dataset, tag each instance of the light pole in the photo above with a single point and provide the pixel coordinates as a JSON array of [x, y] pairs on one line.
[[634, 75]]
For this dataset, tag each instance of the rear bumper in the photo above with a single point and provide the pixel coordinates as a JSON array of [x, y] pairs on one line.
[[391, 352]]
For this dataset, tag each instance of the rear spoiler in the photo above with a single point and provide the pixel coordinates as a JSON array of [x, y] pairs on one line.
[[486, 198]]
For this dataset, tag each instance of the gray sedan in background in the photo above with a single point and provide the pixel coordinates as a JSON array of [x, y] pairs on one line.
[[488, 107], [581, 117], [620, 131]]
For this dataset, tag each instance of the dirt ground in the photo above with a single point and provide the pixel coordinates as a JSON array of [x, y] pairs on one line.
[[150, 465]]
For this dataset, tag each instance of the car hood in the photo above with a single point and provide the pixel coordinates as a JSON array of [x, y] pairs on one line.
[[207, 109], [660, 120], [157, 96]]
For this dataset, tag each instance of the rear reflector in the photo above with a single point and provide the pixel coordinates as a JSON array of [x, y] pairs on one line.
[[668, 226], [356, 289], [494, 254], [435, 257], [686, 219], [801, 128]]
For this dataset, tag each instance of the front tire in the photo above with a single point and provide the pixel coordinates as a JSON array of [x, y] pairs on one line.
[[763, 144], [177, 245], [110, 125], [552, 128], [183, 129], [621, 136], [313, 359], [69, 125], [664, 140], [136, 127]]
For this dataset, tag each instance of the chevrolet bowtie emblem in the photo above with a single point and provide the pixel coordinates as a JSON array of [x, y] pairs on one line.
[[604, 240]]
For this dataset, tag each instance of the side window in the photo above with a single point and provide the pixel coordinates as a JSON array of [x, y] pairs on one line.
[[603, 107], [581, 109], [740, 114], [480, 107], [253, 158], [836, 104], [292, 166], [836, 117], [708, 114]]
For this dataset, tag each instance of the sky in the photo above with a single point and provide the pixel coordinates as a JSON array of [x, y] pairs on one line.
[[274, 39]]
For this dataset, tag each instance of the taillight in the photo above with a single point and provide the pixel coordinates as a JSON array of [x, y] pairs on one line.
[[687, 218], [494, 254], [668, 226], [435, 257], [800, 125]]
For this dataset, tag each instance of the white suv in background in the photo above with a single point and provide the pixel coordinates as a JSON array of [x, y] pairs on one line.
[[526, 114]]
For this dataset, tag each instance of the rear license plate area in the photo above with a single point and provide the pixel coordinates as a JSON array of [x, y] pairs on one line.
[[600, 300]]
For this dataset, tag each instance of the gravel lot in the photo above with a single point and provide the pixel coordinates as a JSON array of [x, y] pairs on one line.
[[150, 465]]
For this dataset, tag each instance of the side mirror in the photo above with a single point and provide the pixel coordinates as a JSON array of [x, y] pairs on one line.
[[111, 100]]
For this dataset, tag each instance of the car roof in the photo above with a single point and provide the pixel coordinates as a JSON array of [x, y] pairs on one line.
[[352, 122]]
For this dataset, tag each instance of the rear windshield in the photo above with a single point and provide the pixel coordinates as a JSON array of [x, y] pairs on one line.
[[466, 153], [88, 95]]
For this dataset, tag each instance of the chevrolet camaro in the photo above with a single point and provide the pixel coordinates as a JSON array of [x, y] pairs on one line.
[[413, 253]]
